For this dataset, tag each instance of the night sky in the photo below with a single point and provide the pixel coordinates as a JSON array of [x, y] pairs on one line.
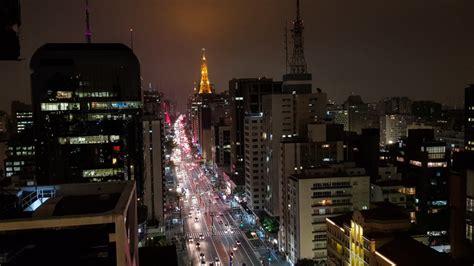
[[423, 49]]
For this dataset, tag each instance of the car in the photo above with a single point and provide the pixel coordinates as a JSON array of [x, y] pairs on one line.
[[226, 225], [196, 219], [201, 236], [201, 256], [234, 247], [190, 214], [198, 211], [198, 245], [238, 243], [203, 262], [216, 260], [190, 239]]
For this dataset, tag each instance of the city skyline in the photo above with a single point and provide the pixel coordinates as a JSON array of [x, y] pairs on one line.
[[425, 57]]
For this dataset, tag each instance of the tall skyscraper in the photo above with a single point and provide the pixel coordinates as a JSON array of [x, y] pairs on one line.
[[22, 116], [87, 111], [469, 118], [153, 168], [285, 116], [246, 99], [254, 162]]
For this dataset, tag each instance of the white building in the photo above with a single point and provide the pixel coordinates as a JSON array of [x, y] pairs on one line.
[[314, 196], [392, 128], [254, 151], [285, 116], [153, 169]]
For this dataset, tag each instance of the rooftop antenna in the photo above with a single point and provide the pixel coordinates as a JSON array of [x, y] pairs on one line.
[[88, 33], [286, 46], [298, 61], [131, 38]]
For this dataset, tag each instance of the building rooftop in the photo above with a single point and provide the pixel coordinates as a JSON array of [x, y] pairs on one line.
[[404, 250], [70, 224], [325, 171], [385, 211], [42, 202], [166, 254], [341, 220]]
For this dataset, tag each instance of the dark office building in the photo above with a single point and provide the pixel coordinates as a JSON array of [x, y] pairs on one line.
[[423, 161], [152, 101], [20, 161], [10, 20], [469, 118], [22, 116], [427, 110], [245, 99], [87, 113]]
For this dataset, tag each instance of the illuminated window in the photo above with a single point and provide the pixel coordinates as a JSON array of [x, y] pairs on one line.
[[96, 139], [48, 107], [101, 172], [115, 105], [437, 164], [63, 94], [469, 204], [469, 232]]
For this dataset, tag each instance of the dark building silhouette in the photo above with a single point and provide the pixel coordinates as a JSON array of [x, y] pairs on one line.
[[87, 113], [22, 116], [469, 118], [427, 110], [424, 162], [10, 21]]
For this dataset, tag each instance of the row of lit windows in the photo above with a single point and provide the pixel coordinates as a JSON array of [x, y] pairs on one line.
[[115, 105], [93, 94], [19, 148], [436, 149], [15, 163], [469, 204], [48, 107], [101, 172], [95, 139]]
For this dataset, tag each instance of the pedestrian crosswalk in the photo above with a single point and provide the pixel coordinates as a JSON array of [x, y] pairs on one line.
[[208, 233]]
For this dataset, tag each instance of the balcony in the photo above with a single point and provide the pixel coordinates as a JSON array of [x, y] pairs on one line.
[[332, 196], [331, 205], [331, 187]]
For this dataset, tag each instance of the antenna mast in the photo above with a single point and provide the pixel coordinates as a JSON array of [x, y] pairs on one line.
[[88, 33], [298, 61], [286, 46], [131, 38]]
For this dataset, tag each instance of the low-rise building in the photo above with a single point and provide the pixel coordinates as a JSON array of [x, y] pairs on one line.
[[314, 196], [71, 224], [379, 236]]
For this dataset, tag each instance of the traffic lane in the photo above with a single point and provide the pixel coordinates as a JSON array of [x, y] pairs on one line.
[[239, 235]]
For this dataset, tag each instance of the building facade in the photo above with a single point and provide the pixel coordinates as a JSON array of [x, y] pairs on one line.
[[87, 111], [285, 116], [254, 162], [246, 98], [314, 196], [153, 168]]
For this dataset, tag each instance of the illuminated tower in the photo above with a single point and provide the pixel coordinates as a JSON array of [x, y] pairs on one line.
[[205, 85], [298, 62]]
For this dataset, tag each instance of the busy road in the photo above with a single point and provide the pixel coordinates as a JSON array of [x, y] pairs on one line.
[[211, 231]]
